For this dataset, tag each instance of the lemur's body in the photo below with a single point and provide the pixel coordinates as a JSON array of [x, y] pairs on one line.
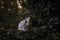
[[23, 24]]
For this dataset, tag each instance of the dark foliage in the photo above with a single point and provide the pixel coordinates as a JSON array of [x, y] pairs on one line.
[[44, 23]]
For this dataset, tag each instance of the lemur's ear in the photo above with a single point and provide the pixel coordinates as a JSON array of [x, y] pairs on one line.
[[27, 18]]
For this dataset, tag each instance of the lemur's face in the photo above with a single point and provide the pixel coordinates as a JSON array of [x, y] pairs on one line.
[[27, 19]]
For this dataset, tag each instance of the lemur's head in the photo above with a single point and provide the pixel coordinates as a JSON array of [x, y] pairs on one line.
[[27, 18]]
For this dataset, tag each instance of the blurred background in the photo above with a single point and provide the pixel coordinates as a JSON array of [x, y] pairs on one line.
[[44, 22]]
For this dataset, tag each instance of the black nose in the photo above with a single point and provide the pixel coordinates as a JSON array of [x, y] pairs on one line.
[[26, 21]]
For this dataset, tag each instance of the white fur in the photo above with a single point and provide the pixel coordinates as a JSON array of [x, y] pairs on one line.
[[23, 25]]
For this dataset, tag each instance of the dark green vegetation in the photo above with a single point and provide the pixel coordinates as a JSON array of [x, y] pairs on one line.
[[44, 23]]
